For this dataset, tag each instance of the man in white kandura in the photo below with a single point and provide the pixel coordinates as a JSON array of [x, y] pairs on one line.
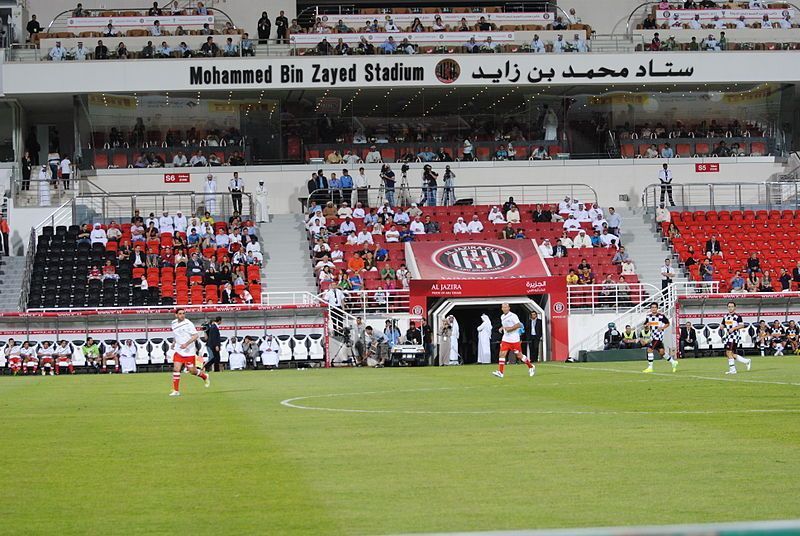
[[210, 189], [510, 328], [262, 209], [484, 341]]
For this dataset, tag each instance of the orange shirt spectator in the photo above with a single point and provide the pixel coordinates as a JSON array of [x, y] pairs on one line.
[[356, 263]]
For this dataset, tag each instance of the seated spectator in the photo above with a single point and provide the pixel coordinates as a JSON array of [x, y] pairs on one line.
[[98, 235], [488, 45], [628, 267], [389, 46], [164, 50], [546, 249], [737, 282], [230, 49], [721, 150], [652, 151], [155, 30], [184, 50], [341, 48], [582, 240], [209, 48], [540, 153], [431, 227], [58, 52], [537, 45], [667, 151], [148, 51], [753, 282], [513, 215], [365, 47], [475, 226], [392, 235], [620, 256], [572, 277], [247, 45], [785, 280], [460, 227], [707, 270], [766, 282], [471, 45], [713, 246]]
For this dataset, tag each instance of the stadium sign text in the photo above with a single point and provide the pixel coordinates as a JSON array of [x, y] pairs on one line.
[[313, 74]]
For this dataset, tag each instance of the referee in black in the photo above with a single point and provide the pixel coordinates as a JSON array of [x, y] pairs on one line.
[[213, 343]]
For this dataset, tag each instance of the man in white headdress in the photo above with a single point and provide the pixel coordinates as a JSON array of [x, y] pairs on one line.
[[484, 341], [236, 359], [262, 209], [127, 356], [210, 189], [269, 351], [454, 334]]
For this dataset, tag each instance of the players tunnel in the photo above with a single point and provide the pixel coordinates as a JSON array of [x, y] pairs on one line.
[[468, 311]]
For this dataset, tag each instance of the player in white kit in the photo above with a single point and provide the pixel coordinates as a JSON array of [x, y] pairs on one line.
[[510, 329], [184, 335]]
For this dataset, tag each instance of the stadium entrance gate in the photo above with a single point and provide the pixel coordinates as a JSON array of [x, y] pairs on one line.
[[488, 273], [468, 311]]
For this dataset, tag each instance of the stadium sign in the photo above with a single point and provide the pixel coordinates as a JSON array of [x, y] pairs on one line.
[[414, 71]]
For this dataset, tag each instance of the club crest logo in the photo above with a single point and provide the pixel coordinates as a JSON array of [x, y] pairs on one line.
[[447, 71], [476, 259]]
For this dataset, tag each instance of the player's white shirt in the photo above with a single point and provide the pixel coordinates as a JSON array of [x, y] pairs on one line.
[[28, 352], [509, 320], [182, 332], [63, 352], [45, 352], [14, 350]]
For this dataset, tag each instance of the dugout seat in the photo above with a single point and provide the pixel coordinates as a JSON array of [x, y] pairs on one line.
[[300, 348], [285, 348], [316, 352]]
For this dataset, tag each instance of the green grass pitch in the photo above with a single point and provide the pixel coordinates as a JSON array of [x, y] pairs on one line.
[[401, 450]]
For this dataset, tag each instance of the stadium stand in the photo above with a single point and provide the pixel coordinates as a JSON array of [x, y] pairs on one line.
[[741, 248], [79, 267], [372, 256]]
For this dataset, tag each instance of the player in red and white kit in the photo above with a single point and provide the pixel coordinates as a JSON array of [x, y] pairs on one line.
[[29, 360], [510, 329], [13, 356], [63, 353], [184, 335], [46, 359]]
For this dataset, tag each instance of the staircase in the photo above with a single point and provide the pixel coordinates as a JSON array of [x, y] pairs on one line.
[[12, 274], [645, 247], [613, 43], [287, 267]]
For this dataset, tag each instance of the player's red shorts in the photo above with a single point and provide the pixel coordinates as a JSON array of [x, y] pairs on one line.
[[511, 347], [186, 360]]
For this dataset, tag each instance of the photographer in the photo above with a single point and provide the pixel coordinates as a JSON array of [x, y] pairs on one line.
[[388, 178], [429, 186], [376, 347], [449, 195], [213, 344]]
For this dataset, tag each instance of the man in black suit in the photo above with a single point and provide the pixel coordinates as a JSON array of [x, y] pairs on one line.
[[713, 246], [796, 275], [688, 339], [535, 339], [318, 181], [542, 215], [213, 344]]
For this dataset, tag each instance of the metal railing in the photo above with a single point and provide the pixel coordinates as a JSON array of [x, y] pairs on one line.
[[726, 195], [404, 195], [92, 208], [634, 316], [269, 300], [373, 302], [608, 298]]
